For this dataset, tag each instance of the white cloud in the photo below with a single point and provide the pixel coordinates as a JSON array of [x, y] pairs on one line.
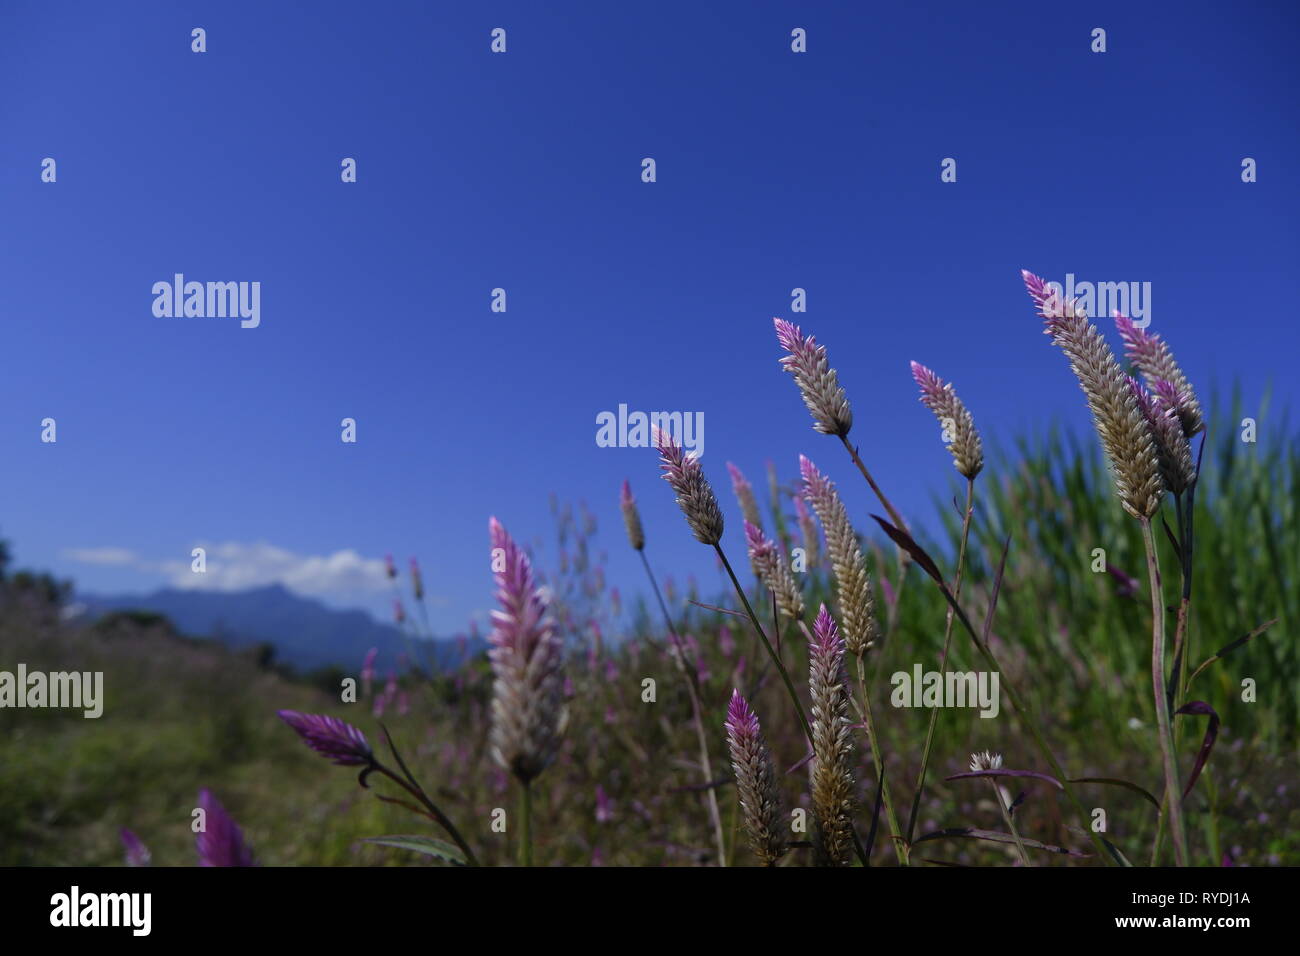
[[237, 566], [111, 557]]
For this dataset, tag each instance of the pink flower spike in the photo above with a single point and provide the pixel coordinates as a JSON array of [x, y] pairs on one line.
[[137, 854], [221, 842], [334, 739]]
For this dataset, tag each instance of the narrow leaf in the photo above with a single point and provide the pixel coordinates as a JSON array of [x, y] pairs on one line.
[[1008, 773], [1228, 648], [422, 844], [1116, 782], [997, 589], [1203, 709], [996, 836], [905, 541]]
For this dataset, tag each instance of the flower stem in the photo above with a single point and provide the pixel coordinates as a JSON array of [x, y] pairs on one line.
[[1173, 797], [903, 558], [785, 675], [434, 813], [679, 655], [526, 824], [1006, 816], [943, 660], [900, 845]]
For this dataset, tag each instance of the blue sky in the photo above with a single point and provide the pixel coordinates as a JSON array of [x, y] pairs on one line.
[[522, 170]]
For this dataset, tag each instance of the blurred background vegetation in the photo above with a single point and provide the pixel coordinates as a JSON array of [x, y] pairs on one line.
[[181, 714]]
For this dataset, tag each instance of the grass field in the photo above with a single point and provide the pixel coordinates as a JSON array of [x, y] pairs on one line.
[[625, 787]]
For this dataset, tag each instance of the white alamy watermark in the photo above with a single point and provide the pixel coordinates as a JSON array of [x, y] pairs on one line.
[[923, 688], [79, 690], [624, 429], [208, 300], [74, 908], [1132, 299]]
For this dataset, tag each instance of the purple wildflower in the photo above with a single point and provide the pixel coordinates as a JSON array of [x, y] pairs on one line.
[[527, 655], [137, 854], [694, 495], [339, 742], [755, 780], [818, 384], [221, 843]]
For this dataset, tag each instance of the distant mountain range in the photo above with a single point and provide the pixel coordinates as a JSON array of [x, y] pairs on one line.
[[306, 634]]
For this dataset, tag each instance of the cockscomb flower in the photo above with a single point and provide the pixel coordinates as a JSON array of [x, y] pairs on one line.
[[1125, 435], [137, 854], [745, 495], [1155, 361], [985, 761], [1173, 451], [334, 739], [417, 582], [964, 444], [694, 495], [853, 586], [832, 773], [389, 567], [808, 529], [631, 517], [818, 383], [221, 842], [755, 781], [773, 571], [527, 655]]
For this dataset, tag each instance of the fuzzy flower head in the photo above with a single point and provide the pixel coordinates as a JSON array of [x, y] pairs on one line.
[[527, 655], [137, 854], [221, 842], [744, 492], [1123, 429], [1152, 357], [631, 517], [985, 761], [853, 586], [773, 571], [417, 581], [808, 529], [958, 426], [694, 495], [755, 780], [1173, 451], [818, 383], [832, 769], [337, 741]]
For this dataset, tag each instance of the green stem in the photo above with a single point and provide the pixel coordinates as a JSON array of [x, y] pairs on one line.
[[526, 824], [903, 557], [1027, 719], [1006, 816], [947, 644], [900, 845], [785, 675], [434, 813], [1173, 798], [679, 654]]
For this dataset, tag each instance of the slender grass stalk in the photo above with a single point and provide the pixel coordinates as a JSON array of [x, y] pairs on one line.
[[776, 658], [1006, 816], [901, 847], [1017, 704], [1173, 795], [894, 516], [943, 659], [525, 824], [679, 654]]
